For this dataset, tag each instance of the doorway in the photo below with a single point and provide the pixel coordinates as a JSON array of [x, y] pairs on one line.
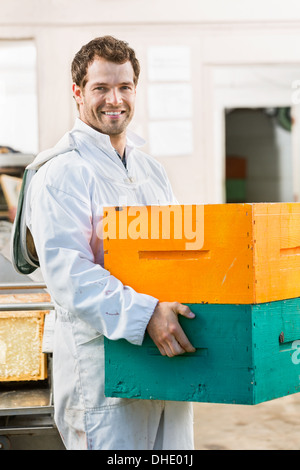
[[259, 156]]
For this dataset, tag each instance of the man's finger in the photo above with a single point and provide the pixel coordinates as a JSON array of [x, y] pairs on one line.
[[183, 310], [184, 341], [176, 348], [180, 336]]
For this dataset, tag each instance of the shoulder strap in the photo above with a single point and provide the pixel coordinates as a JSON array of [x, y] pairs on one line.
[[23, 254]]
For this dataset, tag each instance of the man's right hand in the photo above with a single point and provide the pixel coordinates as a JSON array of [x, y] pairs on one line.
[[165, 330]]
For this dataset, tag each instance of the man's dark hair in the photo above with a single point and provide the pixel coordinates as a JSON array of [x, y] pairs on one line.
[[107, 47]]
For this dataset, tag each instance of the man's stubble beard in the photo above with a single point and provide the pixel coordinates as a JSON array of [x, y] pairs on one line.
[[114, 127]]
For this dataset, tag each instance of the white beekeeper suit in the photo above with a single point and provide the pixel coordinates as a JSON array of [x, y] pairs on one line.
[[64, 205]]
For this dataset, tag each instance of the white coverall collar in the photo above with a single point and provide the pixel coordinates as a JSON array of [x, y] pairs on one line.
[[103, 140]]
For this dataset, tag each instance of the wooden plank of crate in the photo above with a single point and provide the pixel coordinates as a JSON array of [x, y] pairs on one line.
[[170, 268], [250, 253], [245, 354]]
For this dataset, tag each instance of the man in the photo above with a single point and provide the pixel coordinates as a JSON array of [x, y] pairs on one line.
[[98, 164]]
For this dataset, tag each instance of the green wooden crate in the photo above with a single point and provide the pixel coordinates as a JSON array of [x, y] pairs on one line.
[[246, 354], [236, 190]]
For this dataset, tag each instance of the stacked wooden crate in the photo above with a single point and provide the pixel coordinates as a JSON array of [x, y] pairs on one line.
[[243, 284], [236, 174]]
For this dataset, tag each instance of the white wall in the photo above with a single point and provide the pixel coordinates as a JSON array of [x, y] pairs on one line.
[[18, 97], [217, 34]]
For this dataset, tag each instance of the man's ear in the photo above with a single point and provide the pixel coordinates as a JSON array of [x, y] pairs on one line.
[[77, 94]]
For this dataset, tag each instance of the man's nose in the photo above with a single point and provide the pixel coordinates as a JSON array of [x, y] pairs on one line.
[[114, 97]]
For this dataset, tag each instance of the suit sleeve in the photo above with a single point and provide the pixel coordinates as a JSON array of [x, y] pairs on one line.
[[62, 227]]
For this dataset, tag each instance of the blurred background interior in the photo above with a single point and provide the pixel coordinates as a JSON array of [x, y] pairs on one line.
[[217, 102]]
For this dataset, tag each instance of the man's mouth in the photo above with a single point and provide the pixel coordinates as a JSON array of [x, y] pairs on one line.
[[113, 113]]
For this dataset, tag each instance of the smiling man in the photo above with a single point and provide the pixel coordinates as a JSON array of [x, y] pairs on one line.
[[99, 163], [106, 102]]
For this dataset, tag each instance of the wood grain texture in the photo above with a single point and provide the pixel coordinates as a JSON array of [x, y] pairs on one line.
[[250, 253], [239, 358]]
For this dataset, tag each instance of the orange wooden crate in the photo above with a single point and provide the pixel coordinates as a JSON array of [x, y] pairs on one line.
[[236, 167], [250, 252], [21, 333]]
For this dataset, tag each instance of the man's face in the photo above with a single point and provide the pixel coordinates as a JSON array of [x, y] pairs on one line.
[[107, 101]]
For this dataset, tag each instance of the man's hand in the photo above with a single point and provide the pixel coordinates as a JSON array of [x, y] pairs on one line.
[[165, 330]]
